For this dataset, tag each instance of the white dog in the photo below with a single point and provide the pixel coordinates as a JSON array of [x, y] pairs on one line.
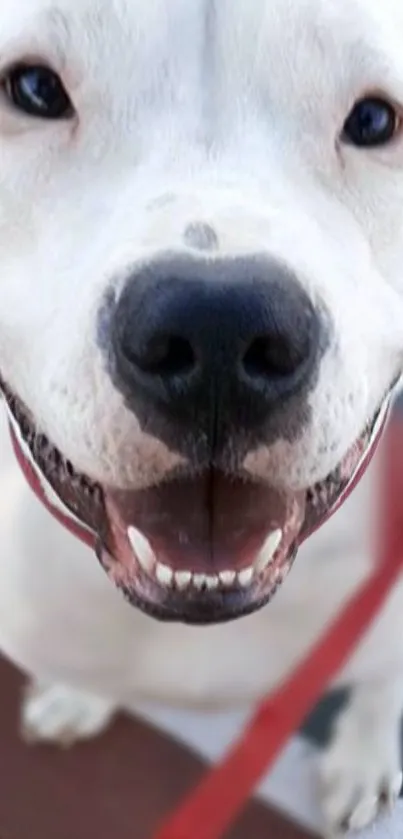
[[201, 322]]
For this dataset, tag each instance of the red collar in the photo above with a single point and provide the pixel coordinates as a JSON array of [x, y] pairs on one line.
[[74, 527]]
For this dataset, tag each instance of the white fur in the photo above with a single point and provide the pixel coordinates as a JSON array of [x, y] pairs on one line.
[[244, 135], [362, 766]]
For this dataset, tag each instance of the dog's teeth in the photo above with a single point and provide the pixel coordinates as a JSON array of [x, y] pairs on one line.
[[227, 577], [245, 577], [164, 574], [212, 582], [206, 581], [270, 547], [183, 579], [142, 549], [199, 581]]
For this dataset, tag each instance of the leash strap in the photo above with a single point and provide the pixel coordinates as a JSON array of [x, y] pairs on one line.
[[215, 804]]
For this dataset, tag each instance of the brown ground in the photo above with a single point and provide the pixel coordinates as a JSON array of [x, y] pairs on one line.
[[116, 787]]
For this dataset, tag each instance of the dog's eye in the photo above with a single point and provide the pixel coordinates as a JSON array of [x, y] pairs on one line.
[[37, 91], [372, 122]]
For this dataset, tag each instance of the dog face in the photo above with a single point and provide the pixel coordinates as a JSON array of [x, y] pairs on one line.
[[201, 296]]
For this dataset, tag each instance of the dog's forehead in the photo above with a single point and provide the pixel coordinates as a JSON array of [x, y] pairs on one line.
[[221, 71], [233, 28]]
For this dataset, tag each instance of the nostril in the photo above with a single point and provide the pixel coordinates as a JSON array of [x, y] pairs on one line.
[[163, 355], [203, 340], [273, 356]]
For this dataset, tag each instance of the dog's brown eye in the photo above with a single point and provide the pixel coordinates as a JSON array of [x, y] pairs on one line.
[[37, 91], [372, 122]]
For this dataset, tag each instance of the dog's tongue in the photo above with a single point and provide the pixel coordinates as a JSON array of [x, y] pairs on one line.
[[206, 524]]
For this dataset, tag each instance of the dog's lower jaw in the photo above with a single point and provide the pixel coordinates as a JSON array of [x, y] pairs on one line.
[[212, 608]]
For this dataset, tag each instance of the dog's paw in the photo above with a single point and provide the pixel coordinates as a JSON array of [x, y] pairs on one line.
[[62, 715], [360, 772]]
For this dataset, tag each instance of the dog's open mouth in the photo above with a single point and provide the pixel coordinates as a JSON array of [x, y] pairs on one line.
[[200, 550]]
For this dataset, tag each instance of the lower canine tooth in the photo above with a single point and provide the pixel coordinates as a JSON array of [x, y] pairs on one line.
[[270, 547], [227, 577], [164, 574], [182, 579], [141, 548], [245, 577]]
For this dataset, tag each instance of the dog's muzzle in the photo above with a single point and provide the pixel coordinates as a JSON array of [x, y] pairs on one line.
[[214, 358]]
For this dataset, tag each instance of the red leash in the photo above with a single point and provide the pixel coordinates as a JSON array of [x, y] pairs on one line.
[[214, 805]]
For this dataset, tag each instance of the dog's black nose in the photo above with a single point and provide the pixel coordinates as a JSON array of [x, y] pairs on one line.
[[214, 343]]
